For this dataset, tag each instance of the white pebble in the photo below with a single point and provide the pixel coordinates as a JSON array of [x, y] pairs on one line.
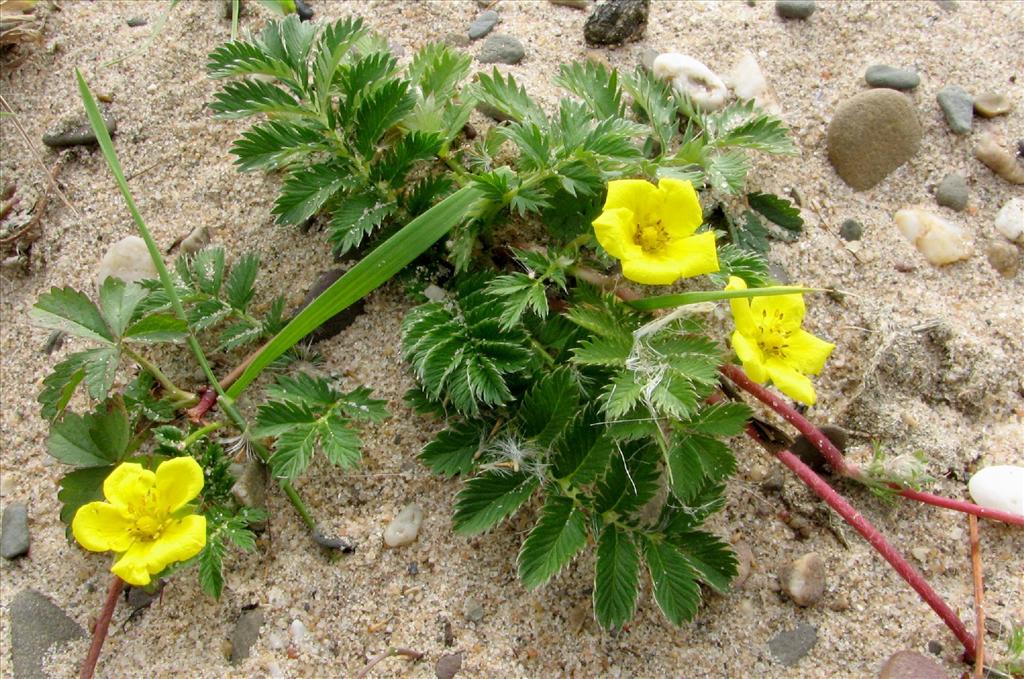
[[1010, 220], [746, 78], [127, 259], [404, 528], [939, 240], [298, 633], [691, 77], [999, 487]]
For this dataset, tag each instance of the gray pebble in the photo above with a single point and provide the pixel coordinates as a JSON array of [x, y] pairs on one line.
[[881, 75], [647, 57], [304, 11], [76, 131], [958, 107], [952, 192], [135, 22], [245, 634], [872, 134], [36, 625], [935, 648], [575, 4], [803, 580], [250, 487], [795, 9], [617, 21], [501, 49], [911, 665], [851, 229], [448, 666], [472, 609], [992, 104], [483, 24], [791, 645], [1004, 258], [455, 39], [14, 531]]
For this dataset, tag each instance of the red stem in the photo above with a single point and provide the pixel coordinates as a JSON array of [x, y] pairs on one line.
[[962, 506], [99, 633], [206, 400]]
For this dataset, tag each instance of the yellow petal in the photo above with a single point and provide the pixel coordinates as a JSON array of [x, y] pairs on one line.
[[177, 481], [615, 230], [99, 526], [181, 540], [808, 353], [693, 256], [680, 207], [790, 382], [650, 270], [740, 306], [632, 194], [788, 309], [128, 484], [752, 357]]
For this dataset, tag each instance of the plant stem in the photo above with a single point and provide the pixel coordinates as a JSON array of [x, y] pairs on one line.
[[99, 633], [201, 432], [960, 506], [177, 394], [607, 283], [392, 651], [979, 597]]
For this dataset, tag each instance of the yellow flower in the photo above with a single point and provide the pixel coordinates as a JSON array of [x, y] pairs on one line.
[[650, 229], [772, 345], [142, 519]]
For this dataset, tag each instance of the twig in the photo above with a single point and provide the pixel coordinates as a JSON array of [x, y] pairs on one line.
[[392, 651], [979, 598], [99, 634]]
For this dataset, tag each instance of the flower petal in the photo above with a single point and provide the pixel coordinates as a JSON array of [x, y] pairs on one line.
[[807, 353], [740, 306], [790, 382], [693, 256], [181, 540], [178, 480], [615, 229], [100, 526], [650, 270], [751, 355], [632, 194], [680, 209], [789, 309], [127, 485]]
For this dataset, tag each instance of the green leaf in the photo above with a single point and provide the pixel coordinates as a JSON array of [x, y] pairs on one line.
[[339, 441], [248, 97], [245, 58], [709, 556], [59, 386], [583, 453], [605, 351], [437, 70], [720, 419], [746, 264], [157, 328], [380, 110], [96, 439], [306, 190], [655, 101], [675, 584], [399, 159], [505, 95], [211, 564], [81, 487], [100, 370], [72, 312], [727, 171], [695, 460], [616, 577], [595, 85], [751, 234], [303, 389], [207, 270], [453, 450], [489, 498], [777, 210], [355, 218], [549, 406], [632, 480], [239, 287], [276, 143], [118, 301], [559, 534], [293, 450], [334, 43]]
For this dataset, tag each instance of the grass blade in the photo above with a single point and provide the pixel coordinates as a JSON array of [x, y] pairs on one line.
[[683, 298]]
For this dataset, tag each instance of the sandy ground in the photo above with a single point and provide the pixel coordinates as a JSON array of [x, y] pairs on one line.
[[929, 359]]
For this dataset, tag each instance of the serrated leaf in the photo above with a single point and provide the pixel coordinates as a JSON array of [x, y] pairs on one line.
[[720, 419], [383, 108], [355, 218], [583, 453], [559, 534], [727, 171], [157, 328], [306, 190], [95, 439], [207, 313], [675, 583], [548, 407], [340, 443], [275, 144], [616, 578], [294, 450], [489, 498], [741, 262], [398, 160], [244, 58], [437, 69], [70, 311], [777, 210], [604, 351], [655, 101], [507, 96], [59, 386], [453, 450], [631, 481], [211, 565], [595, 85], [118, 301], [100, 370], [207, 269], [695, 461], [709, 556], [80, 487], [751, 233], [622, 395], [244, 98], [239, 286]]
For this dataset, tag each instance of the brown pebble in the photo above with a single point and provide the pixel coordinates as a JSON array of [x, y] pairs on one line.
[[911, 665], [448, 666], [1004, 258], [803, 580], [992, 104], [744, 561]]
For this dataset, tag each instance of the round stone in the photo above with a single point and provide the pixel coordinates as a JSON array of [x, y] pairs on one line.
[[952, 192], [992, 104], [127, 259], [501, 49], [881, 75], [483, 24], [1004, 258], [803, 580], [911, 665], [1010, 220], [851, 229], [617, 21], [795, 9], [999, 487], [404, 528]]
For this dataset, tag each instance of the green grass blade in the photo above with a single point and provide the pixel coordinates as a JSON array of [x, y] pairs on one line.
[[683, 298], [369, 274]]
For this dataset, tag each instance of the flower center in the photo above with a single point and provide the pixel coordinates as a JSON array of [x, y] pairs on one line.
[[150, 519], [148, 527], [773, 334], [650, 237]]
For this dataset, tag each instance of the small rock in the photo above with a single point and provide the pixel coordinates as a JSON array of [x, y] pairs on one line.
[[992, 104], [127, 259], [1010, 220], [911, 665], [472, 609], [339, 321], [939, 240], [947, 5], [1004, 258], [744, 561], [404, 528], [872, 134], [746, 78], [880, 75], [791, 645], [501, 49], [647, 57], [803, 580], [935, 648], [448, 666], [952, 192], [250, 487], [455, 39], [304, 11], [691, 77], [195, 241], [483, 24], [36, 624], [958, 107], [851, 229], [795, 9], [76, 131], [14, 531], [244, 635], [999, 487], [298, 632], [617, 21], [575, 4], [135, 22], [809, 453], [999, 160]]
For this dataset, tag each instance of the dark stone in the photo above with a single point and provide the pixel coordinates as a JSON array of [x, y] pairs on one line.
[[851, 229], [245, 634], [952, 192], [304, 11], [935, 648], [76, 131], [14, 531], [795, 9], [501, 49], [617, 21], [135, 22], [36, 625], [339, 321], [448, 666], [911, 665], [575, 4], [483, 24], [958, 107], [791, 645], [809, 453]]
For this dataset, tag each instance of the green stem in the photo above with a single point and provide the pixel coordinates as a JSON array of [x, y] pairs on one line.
[[543, 352], [201, 432], [178, 395]]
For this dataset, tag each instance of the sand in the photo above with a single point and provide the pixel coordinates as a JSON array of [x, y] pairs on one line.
[[929, 360]]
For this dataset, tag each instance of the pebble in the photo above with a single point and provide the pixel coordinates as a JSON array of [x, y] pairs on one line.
[[244, 635], [952, 192], [575, 4], [992, 104], [746, 79], [1010, 220], [250, 487], [14, 531], [135, 22], [196, 240], [691, 77], [448, 666], [803, 580], [872, 134], [298, 632], [911, 665], [501, 49], [999, 160], [939, 240], [455, 39], [744, 562], [999, 487], [339, 321], [851, 230], [809, 453], [647, 57], [791, 645], [472, 609], [880, 75], [795, 9], [36, 624], [127, 259], [404, 528], [617, 21], [76, 131], [304, 11], [958, 107], [483, 24]]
